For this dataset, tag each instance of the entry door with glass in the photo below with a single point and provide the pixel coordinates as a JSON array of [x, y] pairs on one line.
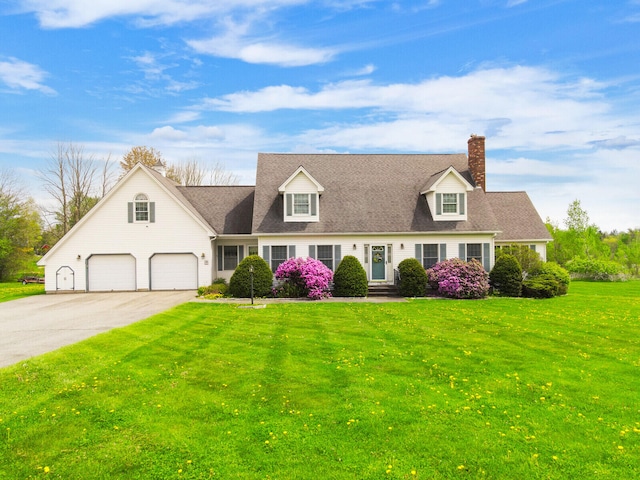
[[378, 262]]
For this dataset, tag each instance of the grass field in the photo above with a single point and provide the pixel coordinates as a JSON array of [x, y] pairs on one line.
[[15, 290], [499, 388]]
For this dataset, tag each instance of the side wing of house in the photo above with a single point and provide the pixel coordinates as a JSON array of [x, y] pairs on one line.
[[141, 236], [519, 222]]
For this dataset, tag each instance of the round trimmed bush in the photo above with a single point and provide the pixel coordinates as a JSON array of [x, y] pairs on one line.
[[556, 271], [540, 286], [506, 276], [350, 279], [413, 278], [240, 283]]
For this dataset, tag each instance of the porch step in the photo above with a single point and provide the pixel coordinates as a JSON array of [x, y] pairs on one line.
[[383, 290]]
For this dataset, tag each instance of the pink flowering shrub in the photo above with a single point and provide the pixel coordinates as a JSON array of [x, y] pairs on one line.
[[303, 278], [456, 278]]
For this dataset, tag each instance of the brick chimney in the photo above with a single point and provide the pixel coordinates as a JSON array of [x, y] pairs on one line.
[[477, 160]]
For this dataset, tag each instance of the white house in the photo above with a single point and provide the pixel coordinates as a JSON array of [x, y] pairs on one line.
[[149, 233]]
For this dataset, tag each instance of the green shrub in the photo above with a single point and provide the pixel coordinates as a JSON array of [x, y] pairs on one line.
[[218, 288], [540, 286], [240, 283], [528, 259], [413, 278], [506, 276], [350, 279], [556, 271], [598, 270]]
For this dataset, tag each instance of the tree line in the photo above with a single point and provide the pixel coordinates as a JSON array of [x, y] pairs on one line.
[[583, 248], [75, 181]]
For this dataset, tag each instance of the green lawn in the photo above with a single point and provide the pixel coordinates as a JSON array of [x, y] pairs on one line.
[[498, 388], [15, 290]]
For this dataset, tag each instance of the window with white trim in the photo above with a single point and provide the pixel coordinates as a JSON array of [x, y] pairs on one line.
[[301, 204], [141, 208], [474, 250], [325, 255], [230, 257], [429, 254], [252, 250], [449, 203], [278, 255]]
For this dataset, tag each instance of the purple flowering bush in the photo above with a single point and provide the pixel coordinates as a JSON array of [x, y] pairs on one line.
[[302, 277], [456, 278]]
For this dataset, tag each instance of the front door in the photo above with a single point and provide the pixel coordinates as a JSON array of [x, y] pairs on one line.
[[378, 262]]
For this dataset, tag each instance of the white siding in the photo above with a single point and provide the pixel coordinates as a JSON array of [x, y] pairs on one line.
[[402, 246], [106, 230]]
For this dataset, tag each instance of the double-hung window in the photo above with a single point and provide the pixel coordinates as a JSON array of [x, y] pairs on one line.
[[325, 255], [429, 254], [278, 255], [474, 250], [301, 204], [449, 203]]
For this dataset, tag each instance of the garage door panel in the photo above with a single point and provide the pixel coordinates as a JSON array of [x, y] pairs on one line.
[[107, 273], [174, 271]]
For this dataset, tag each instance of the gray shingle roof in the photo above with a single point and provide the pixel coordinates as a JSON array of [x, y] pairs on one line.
[[372, 193], [228, 209], [518, 218]]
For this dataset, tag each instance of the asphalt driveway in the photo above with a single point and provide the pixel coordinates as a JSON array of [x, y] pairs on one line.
[[35, 325]]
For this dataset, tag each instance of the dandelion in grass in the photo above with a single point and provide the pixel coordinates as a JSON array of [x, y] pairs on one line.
[[46, 469]]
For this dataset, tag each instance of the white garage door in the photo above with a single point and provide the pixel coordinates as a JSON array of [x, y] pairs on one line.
[[174, 271], [111, 273]]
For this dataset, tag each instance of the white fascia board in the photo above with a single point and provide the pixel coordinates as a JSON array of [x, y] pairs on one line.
[[468, 187], [282, 188]]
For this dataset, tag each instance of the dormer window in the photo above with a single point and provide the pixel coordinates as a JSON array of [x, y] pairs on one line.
[[301, 197], [446, 195], [449, 203], [301, 203], [142, 208]]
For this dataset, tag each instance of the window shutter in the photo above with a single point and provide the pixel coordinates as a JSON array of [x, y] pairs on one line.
[[292, 251], [486, 256], [419, 252], [130, 212], [462, 251], [312, 251], [337, 254], [240, 253], [314, 200], [220, 258], [152, 212], [289, 204], [265, 253], [438, 204], [443, 252], [461, 201]]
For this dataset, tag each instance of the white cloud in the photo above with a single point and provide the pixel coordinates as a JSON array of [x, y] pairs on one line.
[[20, 75], [274, 53], [78, 13], [168, 133]]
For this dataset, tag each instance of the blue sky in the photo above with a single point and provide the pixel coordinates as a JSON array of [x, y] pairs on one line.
[[554, 85]]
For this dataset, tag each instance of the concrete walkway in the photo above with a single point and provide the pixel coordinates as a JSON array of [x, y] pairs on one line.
[[35, 325]]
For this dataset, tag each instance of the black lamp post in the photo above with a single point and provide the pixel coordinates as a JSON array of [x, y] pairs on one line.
[[251, 274]]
